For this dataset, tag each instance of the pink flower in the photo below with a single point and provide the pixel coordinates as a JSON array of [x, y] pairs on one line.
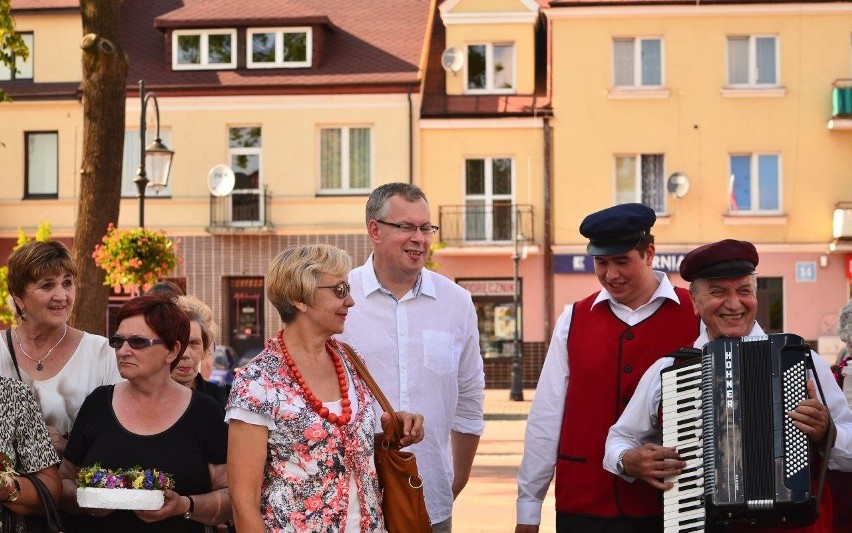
[[315, 433], [313, 503]]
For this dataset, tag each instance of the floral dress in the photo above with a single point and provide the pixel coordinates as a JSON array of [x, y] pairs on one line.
[[310, 460]]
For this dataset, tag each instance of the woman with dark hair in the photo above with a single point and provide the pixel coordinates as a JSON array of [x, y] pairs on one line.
[[60, 364], [152, 421]]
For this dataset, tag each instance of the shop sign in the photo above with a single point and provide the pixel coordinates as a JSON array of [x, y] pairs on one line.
[[488, 287], [585, 264]]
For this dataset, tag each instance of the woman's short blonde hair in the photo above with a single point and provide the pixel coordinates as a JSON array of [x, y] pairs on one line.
[[36, 260], [198, 311], [294, 274]]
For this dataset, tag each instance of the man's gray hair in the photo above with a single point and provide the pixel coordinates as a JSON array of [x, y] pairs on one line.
[[844, 324], [378, 202]]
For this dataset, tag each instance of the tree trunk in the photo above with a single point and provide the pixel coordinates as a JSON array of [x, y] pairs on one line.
[[104, 95]]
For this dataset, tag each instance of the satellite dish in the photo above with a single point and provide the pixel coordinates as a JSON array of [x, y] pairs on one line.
[[221, 180], [678, 184], [452, 59]]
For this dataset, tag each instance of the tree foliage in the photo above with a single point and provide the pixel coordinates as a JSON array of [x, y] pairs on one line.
[[11, 44], [104, 94], [7, 314]]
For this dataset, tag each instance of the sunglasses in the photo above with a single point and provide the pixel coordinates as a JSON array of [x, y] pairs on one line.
[[341, 290], [137, 343]]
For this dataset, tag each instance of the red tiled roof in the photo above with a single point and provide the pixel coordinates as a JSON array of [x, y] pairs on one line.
[[371, 45], [34, 5]]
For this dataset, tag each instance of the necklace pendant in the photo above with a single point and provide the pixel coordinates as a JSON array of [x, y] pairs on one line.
[[39, 366]]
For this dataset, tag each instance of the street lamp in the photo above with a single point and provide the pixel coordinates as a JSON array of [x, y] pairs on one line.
[[160, 157], [516, 392]]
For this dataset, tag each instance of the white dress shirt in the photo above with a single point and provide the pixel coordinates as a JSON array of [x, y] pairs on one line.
[[545, 417], [639, 425], [423, 350]]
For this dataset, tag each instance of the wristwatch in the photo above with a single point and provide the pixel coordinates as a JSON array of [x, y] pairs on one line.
[[188, 514], [619, 466], [15, 493]]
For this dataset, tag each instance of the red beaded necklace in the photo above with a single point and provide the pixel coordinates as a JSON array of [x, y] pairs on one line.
[[313, 401]]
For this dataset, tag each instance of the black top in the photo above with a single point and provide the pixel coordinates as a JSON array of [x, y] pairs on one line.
[[198, 438], [211, 389]]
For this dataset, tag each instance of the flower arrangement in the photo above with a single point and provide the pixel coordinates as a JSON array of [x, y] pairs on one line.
[[837, 369], [132, 478], [7, 470], [135, 258]]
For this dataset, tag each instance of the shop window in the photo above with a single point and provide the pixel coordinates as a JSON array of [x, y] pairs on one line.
[[493, 300], [770, 304]]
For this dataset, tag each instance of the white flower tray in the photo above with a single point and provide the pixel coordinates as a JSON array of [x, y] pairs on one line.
[[131, 499]]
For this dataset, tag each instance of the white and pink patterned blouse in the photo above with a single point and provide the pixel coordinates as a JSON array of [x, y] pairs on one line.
[[313, 467]]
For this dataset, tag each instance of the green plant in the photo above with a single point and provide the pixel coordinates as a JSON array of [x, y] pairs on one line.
[[7, 314], [431, 264], [134, 259]]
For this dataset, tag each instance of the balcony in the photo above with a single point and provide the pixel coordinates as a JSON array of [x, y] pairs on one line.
[[244, 210], [841, 105], [478, 223]]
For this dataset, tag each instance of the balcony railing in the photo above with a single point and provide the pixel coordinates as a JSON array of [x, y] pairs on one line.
[[243, 209], [841, 98], [478, 223]]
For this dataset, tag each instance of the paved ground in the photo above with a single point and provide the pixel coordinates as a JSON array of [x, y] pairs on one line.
[[487, 504]]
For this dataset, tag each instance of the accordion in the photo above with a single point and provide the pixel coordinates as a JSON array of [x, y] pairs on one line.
[[745, 460]]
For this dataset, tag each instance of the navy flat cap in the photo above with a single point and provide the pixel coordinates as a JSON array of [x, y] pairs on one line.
[[617, 229], [724, 259]]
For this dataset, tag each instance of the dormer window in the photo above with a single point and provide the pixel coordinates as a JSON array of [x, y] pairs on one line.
[[204, 49], [278, 47], [490, 68]]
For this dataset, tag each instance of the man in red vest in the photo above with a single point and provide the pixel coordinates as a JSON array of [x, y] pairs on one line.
[[604, 343], [723, 290]]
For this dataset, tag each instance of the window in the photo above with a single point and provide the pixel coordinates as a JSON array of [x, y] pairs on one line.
[[130, 162], [346, 157], [244, 145], [755, 184], [205, 49], [24, 66], [637, 62], [752, 61], [491, 68], [770, 304], [488, 199], [278, 48], [639, 178], [42, 164]]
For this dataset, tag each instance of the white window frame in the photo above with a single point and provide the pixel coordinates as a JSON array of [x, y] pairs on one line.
[[637, 63], [752, 61], [279, 47], [259, 190], [637, 174], [345, 175], [205, 49], [754, 182], [6, 73], [489, 69], [35, 162], [130, 162], [488, 197]]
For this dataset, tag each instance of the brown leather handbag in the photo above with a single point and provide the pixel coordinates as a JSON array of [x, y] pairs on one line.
[[403, 505]]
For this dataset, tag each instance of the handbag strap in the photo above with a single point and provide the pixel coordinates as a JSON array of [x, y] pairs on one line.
[[12, 352], [393, 435], [51, 513]]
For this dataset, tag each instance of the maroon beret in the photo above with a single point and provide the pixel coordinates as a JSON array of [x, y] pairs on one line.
[[723, 259]]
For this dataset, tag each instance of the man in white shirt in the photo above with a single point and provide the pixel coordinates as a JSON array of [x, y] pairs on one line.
[[604, 342], [723, 290], [418, 332]]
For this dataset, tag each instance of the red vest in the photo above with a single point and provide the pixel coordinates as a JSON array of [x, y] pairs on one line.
[[606, 360]]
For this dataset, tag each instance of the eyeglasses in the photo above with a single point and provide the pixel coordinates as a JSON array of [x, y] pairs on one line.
[[425, 229], [137, 343], [341, 290]]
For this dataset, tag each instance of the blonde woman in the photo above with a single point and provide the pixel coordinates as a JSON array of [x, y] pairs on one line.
[[302, 423], [202, 334]]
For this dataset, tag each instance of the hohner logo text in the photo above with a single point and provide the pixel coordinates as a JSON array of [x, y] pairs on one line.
[[729, 376]]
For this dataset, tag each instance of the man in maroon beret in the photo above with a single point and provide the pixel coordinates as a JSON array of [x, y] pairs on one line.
[[601, 345], [723, 291]]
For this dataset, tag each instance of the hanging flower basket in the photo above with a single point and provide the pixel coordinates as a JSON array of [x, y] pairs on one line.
[[135, 259]]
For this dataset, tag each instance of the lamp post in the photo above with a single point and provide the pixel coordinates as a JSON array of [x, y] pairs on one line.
[[160, 156], [516, 392]]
